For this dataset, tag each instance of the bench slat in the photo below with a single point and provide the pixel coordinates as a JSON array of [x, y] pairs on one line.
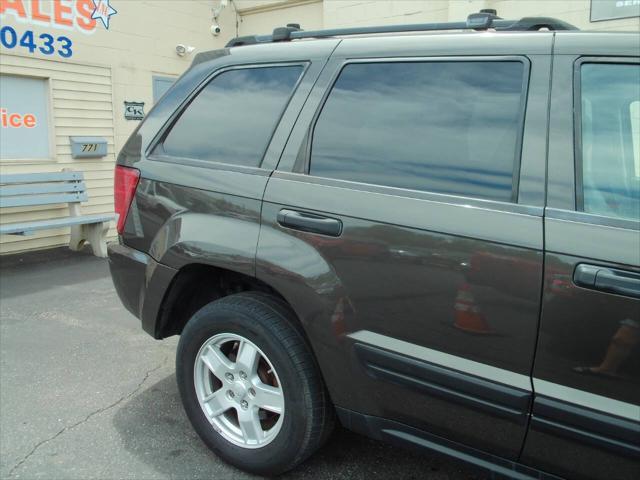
[[26, 200], [32, 188], [22, 228], [10, 178]]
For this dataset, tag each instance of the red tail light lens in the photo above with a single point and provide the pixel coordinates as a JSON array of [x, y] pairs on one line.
[[124, 188]]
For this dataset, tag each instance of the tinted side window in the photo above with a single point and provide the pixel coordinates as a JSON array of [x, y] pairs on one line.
[[609, 163], [232, 119], [445, 127]]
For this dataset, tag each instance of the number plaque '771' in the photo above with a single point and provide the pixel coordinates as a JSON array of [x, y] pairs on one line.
[[88, 147]]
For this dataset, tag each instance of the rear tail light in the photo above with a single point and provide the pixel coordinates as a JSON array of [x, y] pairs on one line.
[[124, 188]]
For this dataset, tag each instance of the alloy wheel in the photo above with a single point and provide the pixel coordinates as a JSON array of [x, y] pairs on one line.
[[239, 390]]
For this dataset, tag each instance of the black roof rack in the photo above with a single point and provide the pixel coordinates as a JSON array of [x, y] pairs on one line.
[[484, 20]]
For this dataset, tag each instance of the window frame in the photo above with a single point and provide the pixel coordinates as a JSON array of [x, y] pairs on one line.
[[303, 162], [635, 144], [577, 129], [47, 78], [158, 141]]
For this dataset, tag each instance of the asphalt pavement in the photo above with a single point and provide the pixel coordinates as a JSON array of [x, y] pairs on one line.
[[86, 394]]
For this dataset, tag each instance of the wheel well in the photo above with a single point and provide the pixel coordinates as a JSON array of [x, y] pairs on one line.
[[196, 285]]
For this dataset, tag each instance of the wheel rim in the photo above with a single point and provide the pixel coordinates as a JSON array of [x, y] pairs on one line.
[[239, 390]]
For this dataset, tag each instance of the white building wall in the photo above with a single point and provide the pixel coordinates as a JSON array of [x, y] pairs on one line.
[[88, 90], [81, 100], [341, 13], [257, 17], [344, 13]]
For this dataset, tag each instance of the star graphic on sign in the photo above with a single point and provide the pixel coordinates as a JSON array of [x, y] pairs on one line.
[[103, 11]]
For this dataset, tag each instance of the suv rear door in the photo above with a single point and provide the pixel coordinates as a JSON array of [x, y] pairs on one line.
[[586, 414], [404, 225]]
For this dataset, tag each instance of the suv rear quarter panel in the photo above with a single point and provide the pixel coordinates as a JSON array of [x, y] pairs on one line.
[[190, 211]]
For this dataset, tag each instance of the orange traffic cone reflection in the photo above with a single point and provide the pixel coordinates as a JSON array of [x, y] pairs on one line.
[[467, 313]]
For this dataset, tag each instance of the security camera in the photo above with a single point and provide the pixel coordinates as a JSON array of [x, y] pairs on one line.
[[183, 50], [215, 29]]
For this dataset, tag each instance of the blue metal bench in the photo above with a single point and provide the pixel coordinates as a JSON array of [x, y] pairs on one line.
[[31, 189]]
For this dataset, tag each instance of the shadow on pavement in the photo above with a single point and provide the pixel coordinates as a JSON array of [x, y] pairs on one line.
[[154, 428], [33, 272]]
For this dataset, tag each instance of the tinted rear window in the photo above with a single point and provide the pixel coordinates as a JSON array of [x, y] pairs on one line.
[[610, 140], [232, 119], [444, 127]]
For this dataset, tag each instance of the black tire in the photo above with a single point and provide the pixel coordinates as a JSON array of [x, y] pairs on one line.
[[271, 325]]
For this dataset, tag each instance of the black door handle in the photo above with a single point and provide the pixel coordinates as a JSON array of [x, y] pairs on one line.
[[609, 280], [309, 222]]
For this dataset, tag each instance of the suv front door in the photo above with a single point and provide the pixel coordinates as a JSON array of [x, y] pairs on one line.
[[586, 414], [404, 225]]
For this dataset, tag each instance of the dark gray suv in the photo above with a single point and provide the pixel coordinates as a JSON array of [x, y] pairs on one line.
[[432, 238]]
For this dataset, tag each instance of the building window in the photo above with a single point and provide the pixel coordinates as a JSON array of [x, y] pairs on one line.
[[24, 118], [160, 86], [442, 127], [232, 119]]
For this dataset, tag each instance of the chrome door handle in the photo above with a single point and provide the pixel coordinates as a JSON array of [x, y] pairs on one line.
[[610, 280], [310, 222]]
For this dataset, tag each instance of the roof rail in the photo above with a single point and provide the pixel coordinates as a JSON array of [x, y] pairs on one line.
[[484, 20]]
